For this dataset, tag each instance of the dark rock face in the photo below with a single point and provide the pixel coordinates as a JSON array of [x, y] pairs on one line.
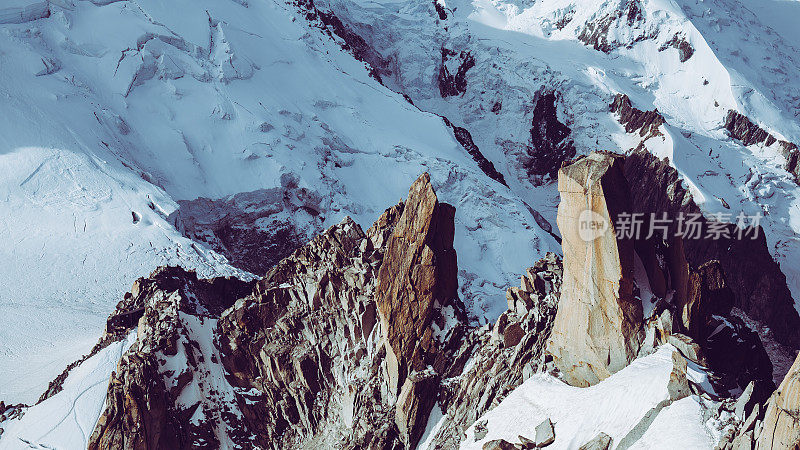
[[678, 42], [736, 354], [465, 139], [254, 230], [746, 131], [596, 32], [707, 294], [451, 84], [758, 285], [741, 128], [440, 10], [733, 350], [348, 39], [549, 144], [645, 122]]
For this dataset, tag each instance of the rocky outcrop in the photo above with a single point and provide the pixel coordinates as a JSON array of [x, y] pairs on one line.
[[549, 139], [441, 10], [678, 42], [597, 33], [598, 326], [350, 331], [781, 423], [300, 357], [647, 123], [146, 407], [464, 138], [302, 335], [254, 230], [743, 129], [498, 367], [349, 40], [453, 81]]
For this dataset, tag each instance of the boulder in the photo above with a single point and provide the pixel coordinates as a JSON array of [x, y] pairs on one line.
[[600, 442], [526, 443], [781, 428], [512, 335], [545, 434], [499, 444], [598, 326], [678, 385]]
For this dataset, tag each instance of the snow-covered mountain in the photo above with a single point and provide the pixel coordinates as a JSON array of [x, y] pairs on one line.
[[222, 135]]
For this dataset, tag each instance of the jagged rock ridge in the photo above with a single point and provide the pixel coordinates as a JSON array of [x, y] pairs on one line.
[[743, 129]]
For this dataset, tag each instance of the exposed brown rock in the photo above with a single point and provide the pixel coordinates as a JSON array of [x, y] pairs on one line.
[[496, 370], [678, 42], [513, 334], [678, 385], [781, 428], [743, 129], [301, 326], [303, 347], [598, 326], [141, 410], [418, 270], [414, 404], [647, 123]]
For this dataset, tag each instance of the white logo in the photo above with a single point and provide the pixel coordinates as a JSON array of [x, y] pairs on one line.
[[591, 225]]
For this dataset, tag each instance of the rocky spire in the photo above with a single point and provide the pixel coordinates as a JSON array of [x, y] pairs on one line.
[[418, 271], [597, 329]]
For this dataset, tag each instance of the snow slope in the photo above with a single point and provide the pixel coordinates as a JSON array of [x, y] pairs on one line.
[[114, 112], [614, 406], [66, 420]]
